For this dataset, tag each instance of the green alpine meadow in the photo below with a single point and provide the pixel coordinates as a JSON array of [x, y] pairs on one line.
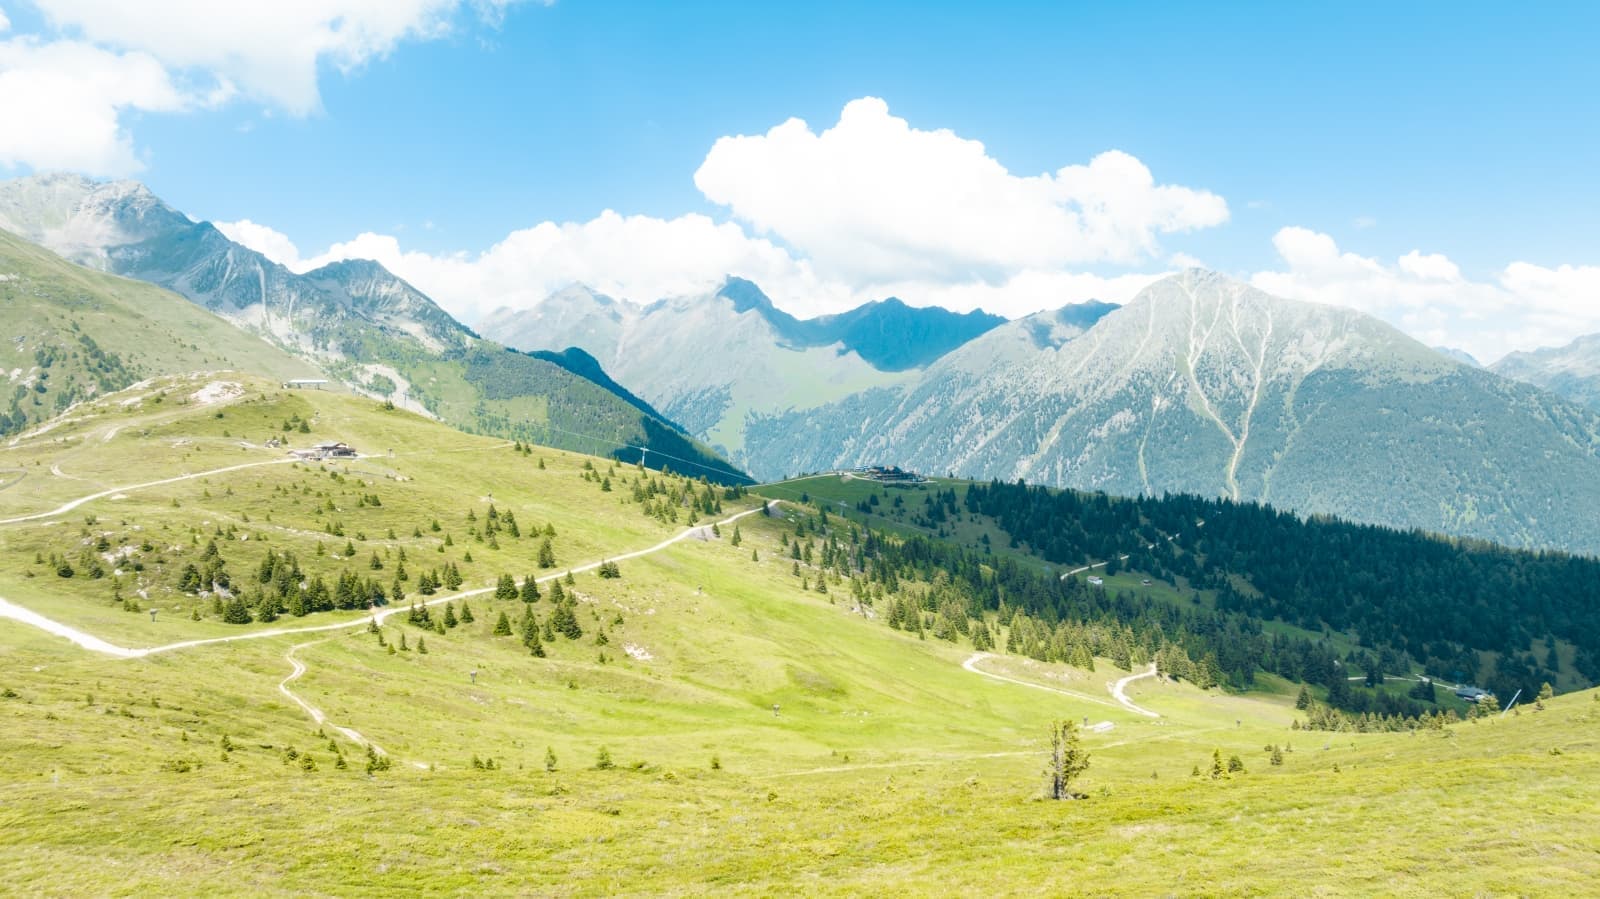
[[601, 448]]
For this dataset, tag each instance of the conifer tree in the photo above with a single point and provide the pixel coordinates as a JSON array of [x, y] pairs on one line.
[[502, 626], [1067, 759], [506, 588], [236, 612], [530, 589]]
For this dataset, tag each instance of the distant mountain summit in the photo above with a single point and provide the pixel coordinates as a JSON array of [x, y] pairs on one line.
[[1571, 371], [122, 228], [888, 334], [756, 358], [354, 319], [1205, 385], [1462, 356]]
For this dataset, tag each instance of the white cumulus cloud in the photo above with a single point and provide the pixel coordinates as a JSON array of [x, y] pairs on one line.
[[270, 49], [61, 104], [1523, 306], [269, 242], [867, 209], [873, 198], [65, 96], [638, 258]]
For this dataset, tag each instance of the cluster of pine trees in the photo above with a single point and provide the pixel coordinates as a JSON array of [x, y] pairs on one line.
[[1320, 716], [280, 588], [667, 498]]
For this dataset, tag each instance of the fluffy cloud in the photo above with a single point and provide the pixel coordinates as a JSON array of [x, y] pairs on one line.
[[867, 209], [1426, 295], [874, 199], [271, 243], [269, 49], [61, 104], [63, 100], [638, 258]]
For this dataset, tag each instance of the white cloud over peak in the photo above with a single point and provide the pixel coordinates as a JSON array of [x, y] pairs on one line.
[[873, 198], [61, 104], [269, 242], [1523, 306], [644, 259], [637, 258], [64, 97], [869, 209]]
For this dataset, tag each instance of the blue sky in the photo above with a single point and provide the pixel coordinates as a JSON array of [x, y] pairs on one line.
[[1465, 132]]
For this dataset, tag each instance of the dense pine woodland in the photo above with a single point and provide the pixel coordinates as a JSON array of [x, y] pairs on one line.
[[941, 590], [1436, 600]]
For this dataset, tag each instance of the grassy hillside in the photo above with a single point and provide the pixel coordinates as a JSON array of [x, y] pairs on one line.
[[762, 738], [72, 333], [352, 319]]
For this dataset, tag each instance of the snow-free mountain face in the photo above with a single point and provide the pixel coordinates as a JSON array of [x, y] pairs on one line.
[[74, 334], [354, 319], [712, 360], [122, 228], [1571, 371], [1459, 355], [1205, 385]]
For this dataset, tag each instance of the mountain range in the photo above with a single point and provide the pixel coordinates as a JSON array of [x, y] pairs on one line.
[[1205, 385], [352, 319], [1200, 384], [711, 361]]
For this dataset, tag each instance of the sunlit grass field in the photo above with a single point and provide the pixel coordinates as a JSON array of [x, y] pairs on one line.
[[762, 738]]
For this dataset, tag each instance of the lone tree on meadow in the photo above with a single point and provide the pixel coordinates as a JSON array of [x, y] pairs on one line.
[[1068, 759]]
